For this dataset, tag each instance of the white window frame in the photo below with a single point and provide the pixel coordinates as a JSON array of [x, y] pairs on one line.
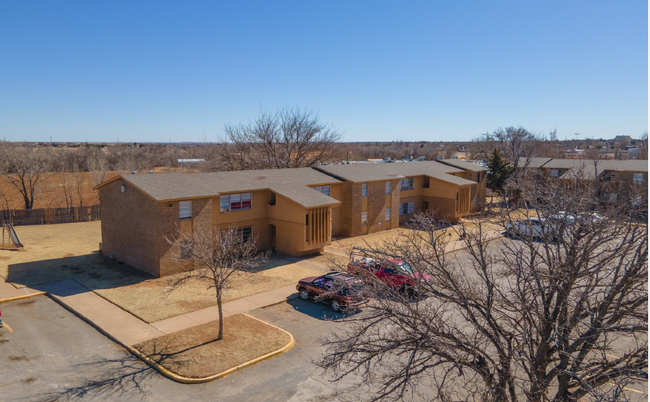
[[637, 178], [407, 183], [387, 214], [364, 218], [388, 187], [364, 189], [226, 201], [185, 210], [408, 208]]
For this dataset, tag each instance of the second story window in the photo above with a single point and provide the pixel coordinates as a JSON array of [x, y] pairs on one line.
[[185, 210], [364, 190], [407, 184], [235, 202], [388, 187], [323, 189]]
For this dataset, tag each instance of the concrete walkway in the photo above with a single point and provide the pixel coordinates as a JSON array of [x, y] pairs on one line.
[[8, 291], [129, 329], [242, 305]]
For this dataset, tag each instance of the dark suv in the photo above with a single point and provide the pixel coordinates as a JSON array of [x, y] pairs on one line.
[[343, 291]]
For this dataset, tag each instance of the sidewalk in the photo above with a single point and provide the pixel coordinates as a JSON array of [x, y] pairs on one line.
[[126, 327], [8, 291]]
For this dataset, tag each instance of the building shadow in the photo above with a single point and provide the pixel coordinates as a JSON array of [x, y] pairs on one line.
[[94, 271]]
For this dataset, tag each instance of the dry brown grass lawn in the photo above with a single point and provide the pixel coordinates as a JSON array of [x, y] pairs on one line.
[[70, 251], [195, 353]]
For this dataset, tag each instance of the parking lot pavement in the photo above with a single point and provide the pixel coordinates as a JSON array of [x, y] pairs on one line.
[[53, 355]]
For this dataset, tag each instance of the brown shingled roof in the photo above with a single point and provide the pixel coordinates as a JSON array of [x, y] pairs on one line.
[[364, 172], [291, 183]]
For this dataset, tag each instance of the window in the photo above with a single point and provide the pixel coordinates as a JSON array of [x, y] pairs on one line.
[[364, 218], [406, 208], [186, 250], [638, 178], [388, 187], [364, 190], [185, 210], [387, 214], [246, 234], [425, 182], [478, 177], [554, 173], [235, 202], [323, 189], [407, 184], [272, 200]]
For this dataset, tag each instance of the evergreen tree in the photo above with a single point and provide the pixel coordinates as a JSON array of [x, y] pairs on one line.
[[500, 171]]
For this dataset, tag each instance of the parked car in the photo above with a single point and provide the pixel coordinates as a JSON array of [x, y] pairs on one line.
[[534, 228], [395, 273], [342, 290]]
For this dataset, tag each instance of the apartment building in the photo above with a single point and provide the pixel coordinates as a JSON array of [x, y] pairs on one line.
[[616, 178], [295, 211]]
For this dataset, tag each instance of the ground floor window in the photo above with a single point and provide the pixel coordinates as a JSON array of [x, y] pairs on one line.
[[406, 208], [364, 218], [638, 178], [246, 234], [186, 250], [387, 214]]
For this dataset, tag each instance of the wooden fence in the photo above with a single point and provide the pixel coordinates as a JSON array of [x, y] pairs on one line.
[[44, 216]]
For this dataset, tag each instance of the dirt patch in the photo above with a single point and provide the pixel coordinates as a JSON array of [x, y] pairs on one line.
[[27, 302], [3, 258], [68, 255], [18, 358], [195, 353], [29, 380]]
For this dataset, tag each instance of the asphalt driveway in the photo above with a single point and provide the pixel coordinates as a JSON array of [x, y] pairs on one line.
[[50, 354]]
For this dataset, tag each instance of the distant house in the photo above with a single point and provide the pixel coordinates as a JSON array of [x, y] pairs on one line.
[[296, 211]]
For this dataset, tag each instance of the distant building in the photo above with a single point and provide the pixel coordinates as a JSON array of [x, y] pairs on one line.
[[620, 176]]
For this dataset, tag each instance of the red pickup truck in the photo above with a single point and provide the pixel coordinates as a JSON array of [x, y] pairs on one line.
[[395, 273]]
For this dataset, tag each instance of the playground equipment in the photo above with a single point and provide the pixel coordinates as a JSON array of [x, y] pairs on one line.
[[9, 238]]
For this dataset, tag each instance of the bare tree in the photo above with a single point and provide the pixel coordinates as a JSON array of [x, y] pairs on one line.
[[288, 138], [215, 257], [516, 144], [99, 168], [556, 318], [24, 168]]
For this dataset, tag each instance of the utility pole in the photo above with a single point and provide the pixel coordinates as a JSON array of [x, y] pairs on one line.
[[576, 147]]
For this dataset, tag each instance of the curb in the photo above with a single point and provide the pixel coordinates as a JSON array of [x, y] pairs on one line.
[[190, 380], [170, 374], [8, 299]]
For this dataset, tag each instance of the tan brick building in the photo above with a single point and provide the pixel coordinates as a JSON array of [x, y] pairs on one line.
[[296, 211], [616, 178]]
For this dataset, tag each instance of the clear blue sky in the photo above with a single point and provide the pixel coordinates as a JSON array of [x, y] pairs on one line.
[[376, 70]]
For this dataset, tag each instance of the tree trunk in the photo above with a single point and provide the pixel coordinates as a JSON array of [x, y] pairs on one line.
[[220, 335]]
